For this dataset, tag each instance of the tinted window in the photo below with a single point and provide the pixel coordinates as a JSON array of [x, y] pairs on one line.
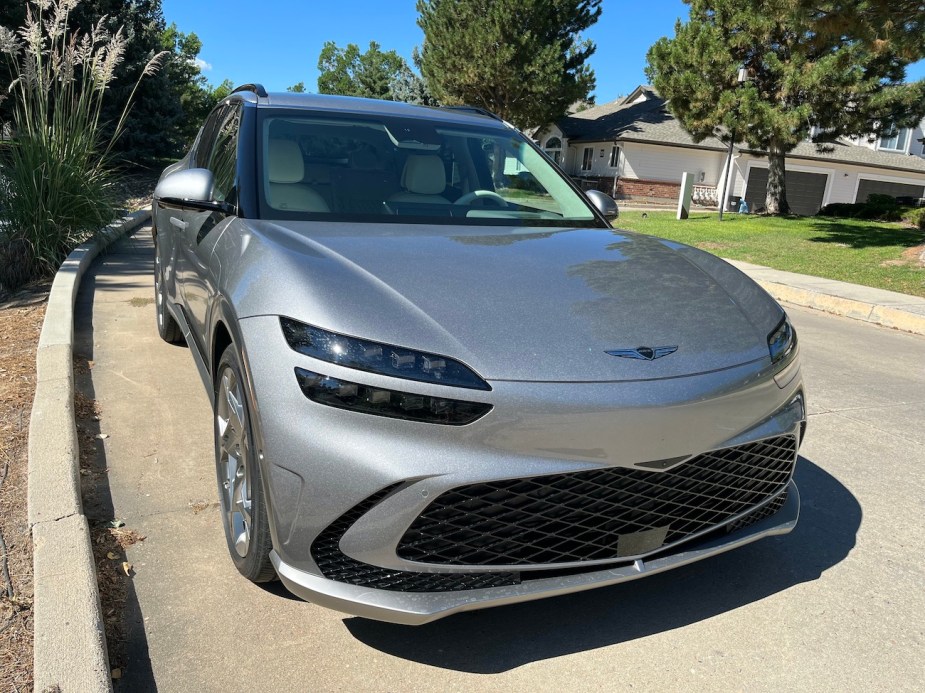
[[207, 138], [224, 157]]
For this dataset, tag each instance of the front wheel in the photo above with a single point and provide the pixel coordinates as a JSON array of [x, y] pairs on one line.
[[244, 515]]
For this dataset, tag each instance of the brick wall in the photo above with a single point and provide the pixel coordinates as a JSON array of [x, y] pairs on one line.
[[634, 189]]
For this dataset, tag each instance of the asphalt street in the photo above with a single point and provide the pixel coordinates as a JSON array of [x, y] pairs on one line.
[[838, 605]]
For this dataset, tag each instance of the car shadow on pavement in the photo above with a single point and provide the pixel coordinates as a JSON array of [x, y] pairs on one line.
[[503, 638], [126, 640]]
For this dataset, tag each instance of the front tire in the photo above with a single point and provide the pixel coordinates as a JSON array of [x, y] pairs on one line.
[[244, 515]]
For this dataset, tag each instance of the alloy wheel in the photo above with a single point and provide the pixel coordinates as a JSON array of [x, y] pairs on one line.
[[233, 460]]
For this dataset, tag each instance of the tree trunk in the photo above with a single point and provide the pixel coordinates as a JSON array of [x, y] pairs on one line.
[[776, 199]]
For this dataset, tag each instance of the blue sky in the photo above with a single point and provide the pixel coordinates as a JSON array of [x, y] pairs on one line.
[[277, 42]]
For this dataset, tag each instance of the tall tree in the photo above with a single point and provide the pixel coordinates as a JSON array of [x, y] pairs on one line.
[[297, 88], [408, 86], [830, 68], [349, 72], [521, 59]]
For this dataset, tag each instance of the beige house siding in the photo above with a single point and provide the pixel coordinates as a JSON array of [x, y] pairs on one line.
[[655, 162]]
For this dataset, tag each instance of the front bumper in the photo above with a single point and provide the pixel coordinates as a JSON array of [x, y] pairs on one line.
[[415, 608], [319, 463]]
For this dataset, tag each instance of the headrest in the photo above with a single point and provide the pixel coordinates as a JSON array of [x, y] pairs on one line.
[[285, 162], [424, 174]]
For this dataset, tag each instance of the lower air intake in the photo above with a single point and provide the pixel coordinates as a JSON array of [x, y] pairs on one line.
[[611, 513], [335, 565]]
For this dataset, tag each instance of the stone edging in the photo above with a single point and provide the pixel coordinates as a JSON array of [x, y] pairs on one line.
[[69, 644]]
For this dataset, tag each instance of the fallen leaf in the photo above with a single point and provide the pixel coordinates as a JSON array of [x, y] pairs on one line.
[[117, 523], [116, 673], [112, 555], [127, 567], [102, 436]]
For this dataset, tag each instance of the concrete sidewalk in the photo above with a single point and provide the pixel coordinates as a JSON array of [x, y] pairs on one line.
[[886, 308]]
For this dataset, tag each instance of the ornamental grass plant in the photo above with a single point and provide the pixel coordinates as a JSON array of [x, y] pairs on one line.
[[55, 166]]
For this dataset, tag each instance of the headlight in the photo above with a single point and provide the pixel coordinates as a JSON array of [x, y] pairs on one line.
[[374, 357], [343, 394], [782, 341]]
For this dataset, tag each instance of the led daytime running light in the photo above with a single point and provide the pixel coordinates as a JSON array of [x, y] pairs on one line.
[[374, 357], [377, 401], [782, 341]]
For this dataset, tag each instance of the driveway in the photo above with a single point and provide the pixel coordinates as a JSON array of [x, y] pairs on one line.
[[837, 605]]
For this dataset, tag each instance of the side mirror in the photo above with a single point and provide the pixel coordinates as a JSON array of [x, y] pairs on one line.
[[604, 204], [190, 189]]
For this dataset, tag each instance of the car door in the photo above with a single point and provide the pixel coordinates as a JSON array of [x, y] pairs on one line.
[[199, 230]]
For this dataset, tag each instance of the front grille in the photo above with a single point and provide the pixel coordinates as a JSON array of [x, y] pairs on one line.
[[600, 514], [757, 515], [335, 565]]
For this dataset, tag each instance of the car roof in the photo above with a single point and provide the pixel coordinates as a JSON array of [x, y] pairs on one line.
[[352, 104]]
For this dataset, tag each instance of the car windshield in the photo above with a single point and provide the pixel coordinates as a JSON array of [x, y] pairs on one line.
[[409, 170]]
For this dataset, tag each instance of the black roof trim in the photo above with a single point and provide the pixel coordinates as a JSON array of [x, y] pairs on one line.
[[256, 88], [474, 109]]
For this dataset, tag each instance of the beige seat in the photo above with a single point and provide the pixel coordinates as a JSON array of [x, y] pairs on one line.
[[286, 169], [423, 180]]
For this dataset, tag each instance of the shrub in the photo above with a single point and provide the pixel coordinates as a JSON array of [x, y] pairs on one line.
[[916, 217], [839, 209], [877, 208], [55, 173]]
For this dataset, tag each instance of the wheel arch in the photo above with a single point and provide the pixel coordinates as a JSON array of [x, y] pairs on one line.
[[225, 333]]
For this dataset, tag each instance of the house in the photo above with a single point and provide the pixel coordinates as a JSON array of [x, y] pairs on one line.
[[635, 150]]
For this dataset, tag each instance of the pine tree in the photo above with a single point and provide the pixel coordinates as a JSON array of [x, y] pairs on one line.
[[521, 59], [349, 72], [831, 68]]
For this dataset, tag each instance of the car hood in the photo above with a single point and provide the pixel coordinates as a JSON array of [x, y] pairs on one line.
[[513, 304]]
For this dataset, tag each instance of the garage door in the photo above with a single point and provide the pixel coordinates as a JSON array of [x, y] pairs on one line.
[[804, 190], [881, 187]]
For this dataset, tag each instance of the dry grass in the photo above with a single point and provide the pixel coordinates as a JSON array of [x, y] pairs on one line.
[[21, 318]]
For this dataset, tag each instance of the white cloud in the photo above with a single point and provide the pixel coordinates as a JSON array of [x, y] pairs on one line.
[[202, 64]]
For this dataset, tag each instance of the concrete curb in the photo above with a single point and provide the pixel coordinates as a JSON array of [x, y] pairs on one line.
[[70, 645], [886, 316], [877, 306]]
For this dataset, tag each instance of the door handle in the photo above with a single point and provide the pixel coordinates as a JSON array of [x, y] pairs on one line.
[[179, 223]]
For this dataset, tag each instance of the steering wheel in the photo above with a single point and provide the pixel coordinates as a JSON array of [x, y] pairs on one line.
[[486, 197]]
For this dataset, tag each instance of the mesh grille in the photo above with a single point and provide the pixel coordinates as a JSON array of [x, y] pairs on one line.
[[600, 514], [337, 566], [758, 515]]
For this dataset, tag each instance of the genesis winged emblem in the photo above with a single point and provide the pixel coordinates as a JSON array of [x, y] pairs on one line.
[[644, 353]]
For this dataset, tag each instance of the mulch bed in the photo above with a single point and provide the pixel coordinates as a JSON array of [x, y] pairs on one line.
[[21, 318]]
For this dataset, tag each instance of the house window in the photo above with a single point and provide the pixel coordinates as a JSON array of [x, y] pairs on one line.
[[614, 156], [586, 158], [895, 139], [554, 149]]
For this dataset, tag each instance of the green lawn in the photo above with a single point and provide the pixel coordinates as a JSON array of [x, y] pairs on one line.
[[861, 252]]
